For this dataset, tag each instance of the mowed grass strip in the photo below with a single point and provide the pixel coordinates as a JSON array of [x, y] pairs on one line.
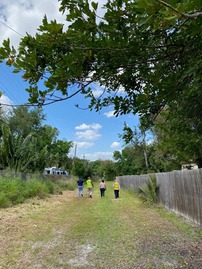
[[65, 231]]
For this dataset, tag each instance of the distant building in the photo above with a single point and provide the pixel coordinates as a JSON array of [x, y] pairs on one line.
[[55, 171], [189, 166]]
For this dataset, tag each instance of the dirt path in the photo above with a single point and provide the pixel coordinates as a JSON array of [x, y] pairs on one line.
[[67, 232]]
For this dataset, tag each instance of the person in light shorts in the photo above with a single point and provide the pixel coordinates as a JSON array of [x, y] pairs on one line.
[[89, 185]]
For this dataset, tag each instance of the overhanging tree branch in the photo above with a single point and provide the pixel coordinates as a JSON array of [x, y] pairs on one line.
[[186, 15]]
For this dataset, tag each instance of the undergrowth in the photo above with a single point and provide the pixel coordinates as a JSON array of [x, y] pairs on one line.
[[15, 191], [148, 192]]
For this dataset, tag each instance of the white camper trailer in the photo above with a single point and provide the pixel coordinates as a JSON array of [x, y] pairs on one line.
[[55, 171]]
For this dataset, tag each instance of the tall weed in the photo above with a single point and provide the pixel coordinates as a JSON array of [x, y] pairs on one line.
[[15, 191], [69, 183]]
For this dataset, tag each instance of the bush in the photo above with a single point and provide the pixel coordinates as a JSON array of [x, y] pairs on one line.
[[35, 188], [148, 192], [67, 183], [4, 201], [14, 191]]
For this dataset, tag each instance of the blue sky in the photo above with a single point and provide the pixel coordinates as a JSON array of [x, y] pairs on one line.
[[95, 134]]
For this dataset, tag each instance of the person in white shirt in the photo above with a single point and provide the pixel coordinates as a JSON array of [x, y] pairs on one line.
[[102, 188]]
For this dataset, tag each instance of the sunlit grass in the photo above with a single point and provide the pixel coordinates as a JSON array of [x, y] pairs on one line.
[[15, 191], [68, 231]]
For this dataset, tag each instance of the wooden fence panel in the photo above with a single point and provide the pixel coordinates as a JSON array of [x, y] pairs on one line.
[[179, 191]]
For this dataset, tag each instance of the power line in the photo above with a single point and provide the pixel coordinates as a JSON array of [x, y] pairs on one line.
[[19, 84], [3, 66], [11, 29]]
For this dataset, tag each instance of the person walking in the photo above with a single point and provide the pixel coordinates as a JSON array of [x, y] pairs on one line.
[[102, 188], [80, 182], [90, 186], [116, 186]]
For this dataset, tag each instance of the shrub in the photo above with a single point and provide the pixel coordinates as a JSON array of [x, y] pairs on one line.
[[148, 192], [14, 191], [67, 183], [4, 201]]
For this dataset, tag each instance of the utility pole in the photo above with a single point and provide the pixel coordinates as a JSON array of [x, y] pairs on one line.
[[75, 149], [145, 149]]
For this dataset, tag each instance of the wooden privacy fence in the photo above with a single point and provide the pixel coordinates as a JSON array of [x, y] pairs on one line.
[[179, 191]]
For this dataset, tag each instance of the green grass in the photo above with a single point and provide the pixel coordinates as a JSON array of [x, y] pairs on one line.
[[65, 183], [65, 231], [179, 221], [15, 191]]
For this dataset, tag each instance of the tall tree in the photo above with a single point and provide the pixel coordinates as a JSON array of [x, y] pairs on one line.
[[82, 168], [179, 134], [27, 145], [130, 161], [151, 49], [24, 120], [16, 151]]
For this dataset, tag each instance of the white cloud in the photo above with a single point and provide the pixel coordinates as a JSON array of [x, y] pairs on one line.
[[83, 145], [105, 155], [78, 148], [90, 131], [88, 135], [78, 151], [98, 91], [5, 100], [23, 16], [94, 126], [115, 145], [109, 114], [83, 126]]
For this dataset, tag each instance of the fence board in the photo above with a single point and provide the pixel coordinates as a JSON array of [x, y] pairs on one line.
[[179, 191]]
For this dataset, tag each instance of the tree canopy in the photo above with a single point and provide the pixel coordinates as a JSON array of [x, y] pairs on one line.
[[151, 49], [26, 145], [144, 54]]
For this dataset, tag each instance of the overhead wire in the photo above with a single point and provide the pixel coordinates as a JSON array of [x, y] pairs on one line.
[[6, 91], [17, 84], [11, 28]]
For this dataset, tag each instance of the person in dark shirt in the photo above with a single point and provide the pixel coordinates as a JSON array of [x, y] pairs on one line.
[[80, 182]]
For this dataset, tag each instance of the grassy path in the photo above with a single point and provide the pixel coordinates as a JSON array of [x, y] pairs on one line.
[[67, 232]]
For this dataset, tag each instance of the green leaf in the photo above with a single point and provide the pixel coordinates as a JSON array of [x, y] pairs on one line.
[[145, 20], [94, 5]]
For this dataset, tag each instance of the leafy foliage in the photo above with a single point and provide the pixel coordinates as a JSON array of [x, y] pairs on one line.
[[81, 168], [148, 192], [15, 191], [28, 146], [130, 161], [151, 49], [179, 136]]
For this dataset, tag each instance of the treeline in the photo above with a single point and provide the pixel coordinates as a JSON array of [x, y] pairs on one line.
[[146, 58], [27, 144]]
